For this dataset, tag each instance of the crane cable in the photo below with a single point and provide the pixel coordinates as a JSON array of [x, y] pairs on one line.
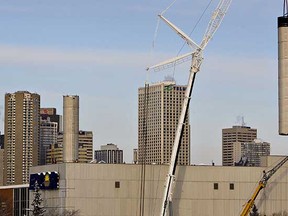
[[156, 33], [142, 149], [195, 26], [164, 11], [152, 48], [157, 29]]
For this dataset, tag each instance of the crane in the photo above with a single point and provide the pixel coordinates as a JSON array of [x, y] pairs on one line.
[[196, 54], [262, 184]]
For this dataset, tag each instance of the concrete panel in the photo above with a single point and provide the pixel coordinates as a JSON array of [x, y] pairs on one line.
[[283, 78]]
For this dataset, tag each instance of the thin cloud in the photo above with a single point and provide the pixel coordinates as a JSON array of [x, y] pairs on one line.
[[228, 67], [141, 8], [24, 55], [13, 9], [241, 65]]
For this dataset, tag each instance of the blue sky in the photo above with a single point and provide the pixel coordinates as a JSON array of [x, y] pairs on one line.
[[99, 50]]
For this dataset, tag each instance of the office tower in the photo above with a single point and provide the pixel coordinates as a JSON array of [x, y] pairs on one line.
[[54, 154], [21, 142], [85, 148], [50, 125], [241, 134], [109, 153], [250, 153], [51, 115], [48, 136], [158, 113], [70, 128]]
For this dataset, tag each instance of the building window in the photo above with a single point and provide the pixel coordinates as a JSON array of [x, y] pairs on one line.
[[216, 186], [117, 184], [231, 186]]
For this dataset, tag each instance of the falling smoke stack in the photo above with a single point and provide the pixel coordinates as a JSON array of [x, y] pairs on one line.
[[70, 127], [283, 70]]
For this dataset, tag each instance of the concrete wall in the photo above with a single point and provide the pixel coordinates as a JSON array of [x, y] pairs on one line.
[[91, 189]]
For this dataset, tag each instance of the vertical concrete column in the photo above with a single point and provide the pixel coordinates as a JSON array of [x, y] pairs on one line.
[[70, 127], [283, 74]]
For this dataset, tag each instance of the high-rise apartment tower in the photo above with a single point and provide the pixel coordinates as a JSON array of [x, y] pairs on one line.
[[21, 142], [241, 134], [158, 113]]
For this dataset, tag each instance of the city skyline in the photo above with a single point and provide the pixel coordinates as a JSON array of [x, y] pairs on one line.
[[95, 50]]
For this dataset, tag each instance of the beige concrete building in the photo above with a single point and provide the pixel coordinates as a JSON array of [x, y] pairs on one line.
[[114, 189], [157, 123], [232, 135], [85, 148], [54, 154], [21, 142]]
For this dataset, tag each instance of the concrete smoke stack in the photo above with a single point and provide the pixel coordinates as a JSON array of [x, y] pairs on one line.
[[70, 127], [283, 74]]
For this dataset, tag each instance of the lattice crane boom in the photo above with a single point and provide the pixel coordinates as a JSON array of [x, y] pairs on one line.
[[184, 36], [215, 21], [171, 62]]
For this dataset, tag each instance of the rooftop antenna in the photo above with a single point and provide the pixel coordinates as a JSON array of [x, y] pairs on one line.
[[240, 121], [169, 78], [196, 53]]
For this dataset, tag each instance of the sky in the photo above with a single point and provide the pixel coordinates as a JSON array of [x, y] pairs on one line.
[[99, 50]]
